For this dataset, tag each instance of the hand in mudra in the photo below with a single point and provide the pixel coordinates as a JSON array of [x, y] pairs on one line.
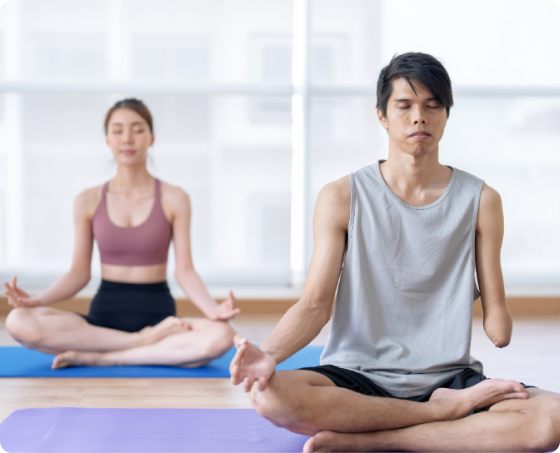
[[250, 365], [226, 310], [17, 297]]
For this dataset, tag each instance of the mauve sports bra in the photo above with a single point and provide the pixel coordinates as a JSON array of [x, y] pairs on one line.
[[142, 245]]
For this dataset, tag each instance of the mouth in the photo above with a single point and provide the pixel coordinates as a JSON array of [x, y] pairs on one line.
[[420, 135], [128, 152]]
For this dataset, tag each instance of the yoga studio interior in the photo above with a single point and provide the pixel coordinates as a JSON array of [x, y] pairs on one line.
[[256, 106]]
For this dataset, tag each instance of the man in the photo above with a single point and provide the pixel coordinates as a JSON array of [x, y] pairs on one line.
[[408, 234]]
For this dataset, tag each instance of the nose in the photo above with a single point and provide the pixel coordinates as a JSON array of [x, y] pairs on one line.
[[127, 135], [418, 116]]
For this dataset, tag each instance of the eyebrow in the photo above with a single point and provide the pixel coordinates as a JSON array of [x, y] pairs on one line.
[[410, 100], [137, 123]]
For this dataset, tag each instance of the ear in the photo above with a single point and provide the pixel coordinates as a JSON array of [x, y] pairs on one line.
[[152, 140], [382, 119]]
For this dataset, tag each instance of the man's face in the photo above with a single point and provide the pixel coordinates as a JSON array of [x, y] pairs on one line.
[[415, 121]]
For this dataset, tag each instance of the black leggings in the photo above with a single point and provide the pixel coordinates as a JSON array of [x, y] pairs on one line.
[[130, 306]]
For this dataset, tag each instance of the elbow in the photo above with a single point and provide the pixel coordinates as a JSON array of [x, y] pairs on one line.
[[81, 275], [317, 307], [184, 272], [181, 272]]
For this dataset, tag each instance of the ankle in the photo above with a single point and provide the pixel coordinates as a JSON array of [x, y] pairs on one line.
[[141, 338]]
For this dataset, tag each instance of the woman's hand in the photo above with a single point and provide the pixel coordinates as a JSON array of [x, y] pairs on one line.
[[17, 297], [226, 310]]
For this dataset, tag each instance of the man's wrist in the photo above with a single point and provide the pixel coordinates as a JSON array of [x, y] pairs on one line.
[[270, 354]]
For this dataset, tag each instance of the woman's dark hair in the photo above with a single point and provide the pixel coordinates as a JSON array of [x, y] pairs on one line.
[[419, 67], [133, 104]]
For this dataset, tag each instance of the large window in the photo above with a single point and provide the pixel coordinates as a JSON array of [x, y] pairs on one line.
[[258, 104]]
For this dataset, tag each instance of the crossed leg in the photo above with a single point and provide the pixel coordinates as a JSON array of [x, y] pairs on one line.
[[173, 341], [309, 403], [204, 341], [510, 425]]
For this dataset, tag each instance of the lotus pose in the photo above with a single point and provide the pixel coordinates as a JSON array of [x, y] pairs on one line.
[[132, 319], [405, 236]]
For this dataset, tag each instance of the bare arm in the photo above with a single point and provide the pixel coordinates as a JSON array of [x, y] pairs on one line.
[[185, 273], [303, 322], [489, 236], [79, 274]]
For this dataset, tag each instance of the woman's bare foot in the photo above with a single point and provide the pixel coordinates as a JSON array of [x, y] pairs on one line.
[[78, 358], [169, 326], [458, 403]]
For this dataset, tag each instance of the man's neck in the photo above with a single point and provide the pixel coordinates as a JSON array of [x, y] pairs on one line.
[[417, 180]]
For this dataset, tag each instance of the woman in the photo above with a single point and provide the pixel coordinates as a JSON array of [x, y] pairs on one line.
[[132, 317]]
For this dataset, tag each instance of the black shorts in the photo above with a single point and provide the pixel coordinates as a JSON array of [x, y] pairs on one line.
[[357, 382], [130, 306]]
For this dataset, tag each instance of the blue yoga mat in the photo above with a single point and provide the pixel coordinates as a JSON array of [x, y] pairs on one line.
[[16, 361], [77, 430]]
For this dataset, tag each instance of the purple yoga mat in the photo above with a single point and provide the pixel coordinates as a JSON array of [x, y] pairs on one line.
[[77, 430]]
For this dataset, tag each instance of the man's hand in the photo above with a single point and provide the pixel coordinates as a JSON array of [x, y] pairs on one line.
[[250, 365], [226, 310], [17, 297]]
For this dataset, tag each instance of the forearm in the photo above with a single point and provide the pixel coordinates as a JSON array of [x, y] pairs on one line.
[[498, 325], [195, 289], [297, 328], [64, 287]]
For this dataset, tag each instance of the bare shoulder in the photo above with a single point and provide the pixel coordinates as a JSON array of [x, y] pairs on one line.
[[490, 207], [336, 192], [333, 201], [174, 198], [490, 197], [490, 201], [86, 201]]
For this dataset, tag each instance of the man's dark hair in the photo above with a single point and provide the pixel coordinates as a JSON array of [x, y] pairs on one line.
[[418, 67]]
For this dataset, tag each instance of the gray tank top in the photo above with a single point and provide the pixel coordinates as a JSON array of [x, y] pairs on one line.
[[403, 311]]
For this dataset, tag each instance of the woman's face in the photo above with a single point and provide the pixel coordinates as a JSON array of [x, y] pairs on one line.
[[129, 137]]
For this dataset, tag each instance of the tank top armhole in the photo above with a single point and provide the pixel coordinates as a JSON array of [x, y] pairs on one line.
[[475, 218], [352, 208]]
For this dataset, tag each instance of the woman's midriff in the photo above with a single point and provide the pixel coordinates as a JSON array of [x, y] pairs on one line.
[[134, 274]]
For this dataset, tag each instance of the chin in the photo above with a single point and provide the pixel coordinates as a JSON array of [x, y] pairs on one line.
[[131, 162]]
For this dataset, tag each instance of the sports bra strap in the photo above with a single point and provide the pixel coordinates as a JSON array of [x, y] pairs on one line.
[[158, 191]]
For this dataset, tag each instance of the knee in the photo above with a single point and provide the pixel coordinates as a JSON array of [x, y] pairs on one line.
[[264, 402], [21, 325], [546, 428], [278, 403], [221, 339]]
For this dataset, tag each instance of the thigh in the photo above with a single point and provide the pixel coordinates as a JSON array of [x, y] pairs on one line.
[[538, 400], [205, 324], [50, 317], [33, 326], [295, 382], [197, 323]]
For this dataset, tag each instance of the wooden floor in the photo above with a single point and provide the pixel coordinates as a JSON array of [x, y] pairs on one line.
[[533, 358]]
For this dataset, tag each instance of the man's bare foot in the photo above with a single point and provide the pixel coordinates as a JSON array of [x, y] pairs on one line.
[[78, 358], [458, 403], [169, 326], [332, 441]]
